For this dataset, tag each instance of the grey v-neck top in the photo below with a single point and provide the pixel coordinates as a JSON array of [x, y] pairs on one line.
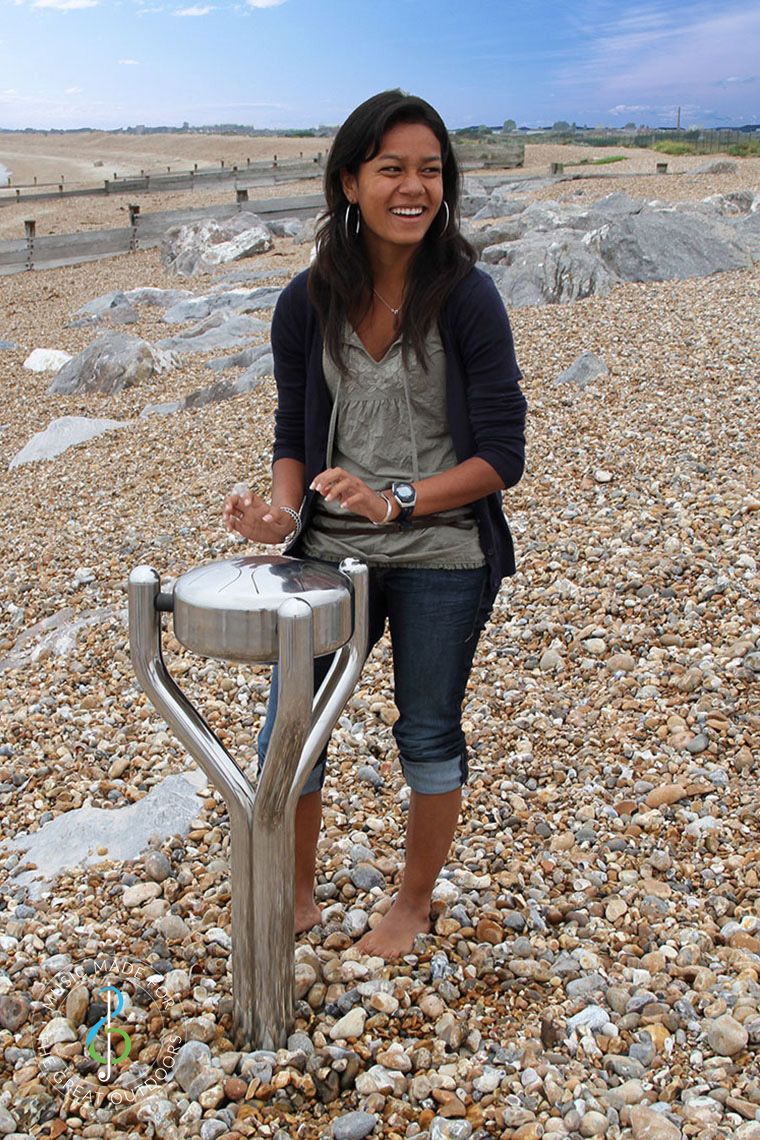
[[389, 422]]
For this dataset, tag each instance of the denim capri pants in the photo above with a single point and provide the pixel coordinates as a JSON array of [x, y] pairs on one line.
[[435, 618]]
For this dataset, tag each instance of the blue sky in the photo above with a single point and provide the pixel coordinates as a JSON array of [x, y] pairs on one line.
[[286, 63]]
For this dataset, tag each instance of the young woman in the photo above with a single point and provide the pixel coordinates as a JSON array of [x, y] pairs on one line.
[[399, 423]]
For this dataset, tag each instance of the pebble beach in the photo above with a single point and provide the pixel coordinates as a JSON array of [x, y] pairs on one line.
[[594, 966]]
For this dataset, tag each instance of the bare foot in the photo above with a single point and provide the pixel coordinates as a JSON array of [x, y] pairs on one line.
[[306, 916], [394, 935]]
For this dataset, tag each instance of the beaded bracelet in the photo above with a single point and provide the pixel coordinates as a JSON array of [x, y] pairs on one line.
[[296, 519]]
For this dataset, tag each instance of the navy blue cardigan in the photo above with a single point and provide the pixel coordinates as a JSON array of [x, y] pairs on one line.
[[486, 409]]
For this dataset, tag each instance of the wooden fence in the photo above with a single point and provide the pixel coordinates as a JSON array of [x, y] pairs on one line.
[[238, 177], [146, 231]]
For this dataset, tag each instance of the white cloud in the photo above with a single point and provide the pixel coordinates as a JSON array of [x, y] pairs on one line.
[[625, 108], [743, 79], [264, 3], [73, 91], [65, 5], [129, 62], [194, 11]]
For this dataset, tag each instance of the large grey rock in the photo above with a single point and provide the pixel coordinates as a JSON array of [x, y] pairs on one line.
[[56, 635], [242, 359], [584, 370], [736, 203], [661, 245], [143, 296], [60, 435], [546, 268], [471, 203], [166, 409], [306, 231], [747, 230], [237, 301], [113, 362], [284, 227], [261, 363], [73, 838], [558, 252], [262, 366], [111, 308], [219, 330], [506, 230], [201, 246], [717, 166]]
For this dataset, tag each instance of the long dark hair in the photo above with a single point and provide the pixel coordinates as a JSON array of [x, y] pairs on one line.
[[340, 280]]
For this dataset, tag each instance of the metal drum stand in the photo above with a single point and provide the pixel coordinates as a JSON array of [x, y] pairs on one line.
[[258, 609]]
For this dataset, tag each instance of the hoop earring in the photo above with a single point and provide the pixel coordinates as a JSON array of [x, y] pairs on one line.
[[448, 216], [346, 217]]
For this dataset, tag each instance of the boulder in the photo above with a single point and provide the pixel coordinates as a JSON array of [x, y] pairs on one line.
[[201, 246], [219, 330], [549, 268], [284, 227], [260, 363], [306, 231], [237, 300], [111, 306], [584, 370], [213, 394], [557, 252], [61, 434], [747, 230], [717, 166], [46, 360], [662, 245], [471, 203], [262, 366], [244, 359], [167, 409], [113, 362], [509, 229]]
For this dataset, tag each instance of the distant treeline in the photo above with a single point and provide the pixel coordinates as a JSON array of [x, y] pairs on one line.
[[560, 131]]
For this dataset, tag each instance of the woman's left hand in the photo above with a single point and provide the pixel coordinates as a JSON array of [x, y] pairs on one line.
[[351, 492]]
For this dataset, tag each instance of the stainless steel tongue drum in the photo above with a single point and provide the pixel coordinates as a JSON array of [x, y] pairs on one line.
[[258, 609]]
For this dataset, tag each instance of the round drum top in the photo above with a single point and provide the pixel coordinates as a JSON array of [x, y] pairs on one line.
[[228, 609]]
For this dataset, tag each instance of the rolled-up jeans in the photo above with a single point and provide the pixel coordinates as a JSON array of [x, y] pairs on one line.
[[435, 618]]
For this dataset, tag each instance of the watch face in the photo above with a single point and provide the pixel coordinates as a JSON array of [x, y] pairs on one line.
[[404, 493]]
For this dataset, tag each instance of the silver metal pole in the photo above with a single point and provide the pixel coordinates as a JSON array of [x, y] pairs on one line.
[[262, 835], [273, 855]]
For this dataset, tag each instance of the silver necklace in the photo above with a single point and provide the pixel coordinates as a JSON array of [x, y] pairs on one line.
[[394, 311]]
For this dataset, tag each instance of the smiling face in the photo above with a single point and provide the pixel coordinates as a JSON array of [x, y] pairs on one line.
[[400, 191]]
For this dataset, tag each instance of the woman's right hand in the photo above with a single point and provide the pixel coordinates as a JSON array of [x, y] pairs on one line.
[[252, 517]]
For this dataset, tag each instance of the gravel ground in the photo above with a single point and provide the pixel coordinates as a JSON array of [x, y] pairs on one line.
[[595, 964]]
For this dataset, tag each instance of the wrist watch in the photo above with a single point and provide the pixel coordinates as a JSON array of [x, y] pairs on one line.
[[406, 497]]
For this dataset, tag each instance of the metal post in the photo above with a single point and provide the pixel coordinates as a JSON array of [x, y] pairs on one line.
[[262, 836]]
